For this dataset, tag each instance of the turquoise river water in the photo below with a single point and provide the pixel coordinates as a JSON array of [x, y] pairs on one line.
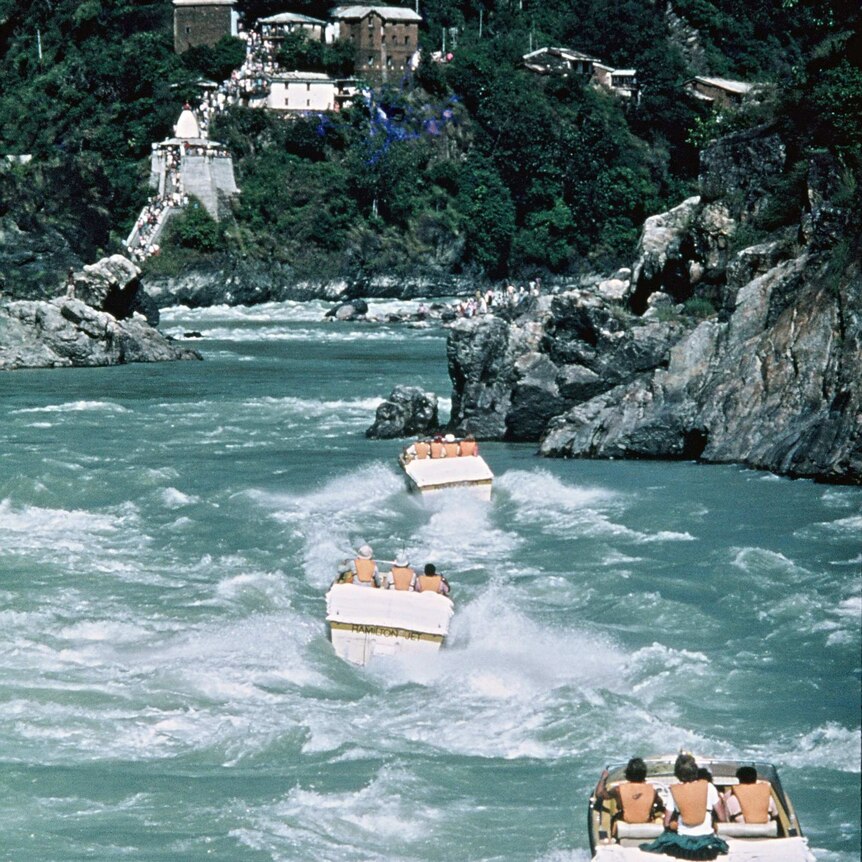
[[167, 691]]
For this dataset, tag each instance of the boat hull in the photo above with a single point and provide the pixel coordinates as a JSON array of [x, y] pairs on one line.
[[771, 850], [433, 475], [365, 622]]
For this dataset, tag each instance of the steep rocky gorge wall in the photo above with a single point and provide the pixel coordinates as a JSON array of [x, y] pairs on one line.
[[772, 380]]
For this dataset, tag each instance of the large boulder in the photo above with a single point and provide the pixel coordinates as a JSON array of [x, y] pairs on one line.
[[511, 377], [113, 284], [409, 411], [66, 332], [353, 309]]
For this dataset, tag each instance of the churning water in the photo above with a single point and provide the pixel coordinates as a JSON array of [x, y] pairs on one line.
[[167, 691]]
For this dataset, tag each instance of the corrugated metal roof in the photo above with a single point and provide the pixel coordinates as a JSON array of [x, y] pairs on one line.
[[388, 13], [725, 84], [291, 18]]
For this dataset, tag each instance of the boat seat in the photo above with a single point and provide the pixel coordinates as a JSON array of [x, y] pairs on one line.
[[749, 830], [637, 832]]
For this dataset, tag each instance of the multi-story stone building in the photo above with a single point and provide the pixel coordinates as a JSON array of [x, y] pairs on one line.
[[202, 22], [385, 40], [276, 27]]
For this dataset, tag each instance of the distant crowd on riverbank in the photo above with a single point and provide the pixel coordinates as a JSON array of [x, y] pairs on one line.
[[508, 297]]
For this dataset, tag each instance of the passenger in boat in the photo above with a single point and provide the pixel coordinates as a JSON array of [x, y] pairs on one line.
[[637, 800], [469, 446], [345, 573], [422, 449], [401, 576], [365, 572], [450, 446], [696, 805], [431, 582], [751, 800], [437, 450]]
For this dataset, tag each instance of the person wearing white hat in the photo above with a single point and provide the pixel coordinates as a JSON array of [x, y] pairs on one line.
[[365, 572], [450, 446], [401, 576]]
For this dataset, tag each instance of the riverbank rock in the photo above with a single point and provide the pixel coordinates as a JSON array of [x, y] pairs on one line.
[[511, 377], [354, 309], [409, 411], [66, 332], [708, 351], [777, 386], [227, 279], [113, 284]]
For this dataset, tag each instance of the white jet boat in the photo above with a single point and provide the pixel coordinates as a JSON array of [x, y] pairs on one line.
[[429, 475], [365, 622], [778, 840]]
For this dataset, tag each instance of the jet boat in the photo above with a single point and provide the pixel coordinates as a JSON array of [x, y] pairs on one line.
[[778, 840], [365, 622], [427, 475]]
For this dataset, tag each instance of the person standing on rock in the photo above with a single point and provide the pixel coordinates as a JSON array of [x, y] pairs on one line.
[[70, 283]]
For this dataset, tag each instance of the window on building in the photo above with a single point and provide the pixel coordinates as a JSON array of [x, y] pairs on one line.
[[308, 103], [370, 60], [406, 40], [388, 62], [308, 87]]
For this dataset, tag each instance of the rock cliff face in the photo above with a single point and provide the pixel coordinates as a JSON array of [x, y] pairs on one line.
[[772, 380]]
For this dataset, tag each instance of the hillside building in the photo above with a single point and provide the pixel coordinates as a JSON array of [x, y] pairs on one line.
[[623, 82], [564, 61], [276, 27], [202, 22], [560, 61], [309, 92], [718, 91], [385, 40]]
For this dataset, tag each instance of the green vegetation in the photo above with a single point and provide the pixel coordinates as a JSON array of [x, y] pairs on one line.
[[476, 166]]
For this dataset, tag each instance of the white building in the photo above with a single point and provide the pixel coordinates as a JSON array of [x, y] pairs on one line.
[[301, 92]]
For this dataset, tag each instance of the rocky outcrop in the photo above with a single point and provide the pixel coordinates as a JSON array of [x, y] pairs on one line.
[[66, 332], [778, 386], [686, 251], [113, 285], [407, 412], [772, 378], [511, 377], [355, 309]]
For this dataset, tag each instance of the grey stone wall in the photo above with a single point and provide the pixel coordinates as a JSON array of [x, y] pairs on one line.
[[200, 25]]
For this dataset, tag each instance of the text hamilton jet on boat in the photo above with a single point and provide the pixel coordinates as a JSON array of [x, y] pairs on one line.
[[366, 622]]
